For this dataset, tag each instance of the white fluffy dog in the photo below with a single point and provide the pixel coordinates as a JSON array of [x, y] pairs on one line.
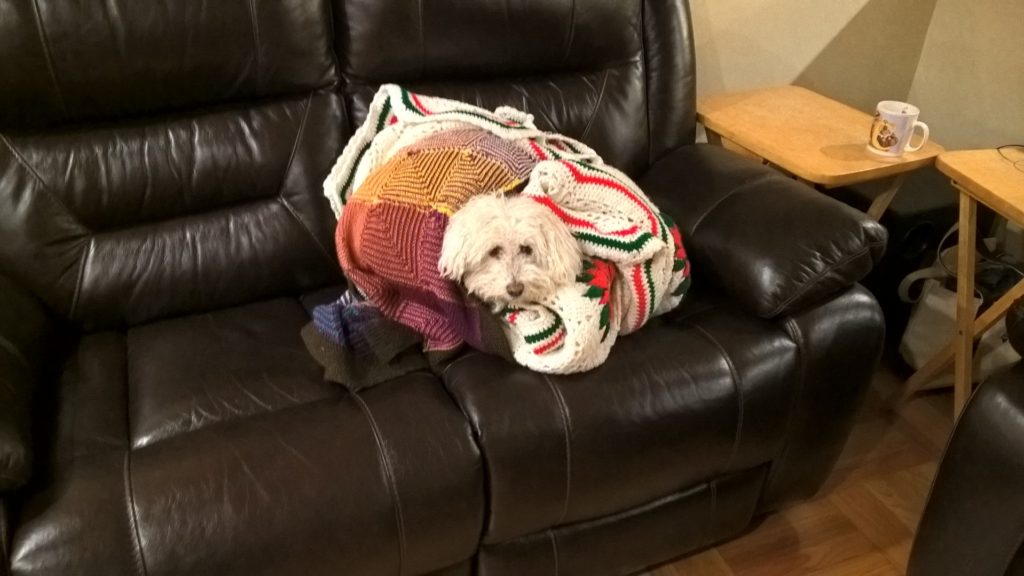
[[508, 250]]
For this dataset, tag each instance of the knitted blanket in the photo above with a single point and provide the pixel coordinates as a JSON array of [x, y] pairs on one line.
[[417, 159]]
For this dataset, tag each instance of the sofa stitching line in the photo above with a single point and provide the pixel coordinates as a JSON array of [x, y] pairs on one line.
[[538, 110], [8, 345], [810, 282], [647, 80], [255, 40], [423, 46], [80, 281], [35, 175], [754, 181], [597, 105], [472, 353], [554, 549], [794, 332], [45, 188], [41, 30], [736, 386], [389, 477], [280, 190], [572, 31], [332, 42], [714, 504], [567, 433], [133, 520]]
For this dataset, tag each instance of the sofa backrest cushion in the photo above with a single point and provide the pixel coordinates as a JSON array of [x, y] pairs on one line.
[[159, 159], [615, 74], [66, 61]]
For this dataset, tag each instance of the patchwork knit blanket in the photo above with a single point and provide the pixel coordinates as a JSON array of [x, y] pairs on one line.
[[417, 159]]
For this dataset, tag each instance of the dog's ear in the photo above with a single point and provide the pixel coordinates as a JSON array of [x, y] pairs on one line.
[[454, 257], [460, 239], [560, 252]]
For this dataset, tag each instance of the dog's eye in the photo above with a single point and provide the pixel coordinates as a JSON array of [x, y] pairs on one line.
[[495, 252], [526, 250]]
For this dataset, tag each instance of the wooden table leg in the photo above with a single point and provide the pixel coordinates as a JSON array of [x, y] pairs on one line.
[[713, 137], [882, 201], [964, 344]]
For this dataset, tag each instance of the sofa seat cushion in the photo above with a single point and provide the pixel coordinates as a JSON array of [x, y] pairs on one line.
[[690, 397], [187, 373], [209, 445]]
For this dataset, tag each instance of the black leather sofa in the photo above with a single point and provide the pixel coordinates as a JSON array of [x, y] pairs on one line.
[[973, 524], [163, 236]]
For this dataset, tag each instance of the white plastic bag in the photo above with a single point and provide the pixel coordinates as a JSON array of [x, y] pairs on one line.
[[932, 325]]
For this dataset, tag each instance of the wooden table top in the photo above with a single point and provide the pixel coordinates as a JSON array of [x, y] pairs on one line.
[[810, 135], [989, 178]]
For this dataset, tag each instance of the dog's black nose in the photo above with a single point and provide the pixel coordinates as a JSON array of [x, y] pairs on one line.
[[514, 289]]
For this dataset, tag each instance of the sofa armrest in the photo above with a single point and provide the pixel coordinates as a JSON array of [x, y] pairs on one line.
[[26, 334], [776, 245], [973, 523], [839, 343]]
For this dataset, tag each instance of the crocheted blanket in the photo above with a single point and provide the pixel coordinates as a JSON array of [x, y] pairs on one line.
[[417, 159]]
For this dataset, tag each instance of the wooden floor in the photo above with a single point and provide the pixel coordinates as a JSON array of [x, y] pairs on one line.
[[863, 521]]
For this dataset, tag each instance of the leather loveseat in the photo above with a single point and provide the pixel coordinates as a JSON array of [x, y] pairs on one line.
[[973, 524], [163, 237]]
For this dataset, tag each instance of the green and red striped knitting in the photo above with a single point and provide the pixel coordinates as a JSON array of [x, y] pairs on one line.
[[417, 159]]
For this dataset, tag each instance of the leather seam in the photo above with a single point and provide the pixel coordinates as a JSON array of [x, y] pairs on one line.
[[6, 344], [354, 82], [539, 111], [389, 476], [739, 394], [35, 175], [332, 42], [567, 433], [753, 181], [81, 276], [459, 360], [793, 330], [287, 170], [597, 105], [44, 39], [133, 519], [554, 549], [295, 144], [256, 41], [572, 32], [647, 81], [45, 190], [423, 46], [810, 282], [714, 506], [305, 228]]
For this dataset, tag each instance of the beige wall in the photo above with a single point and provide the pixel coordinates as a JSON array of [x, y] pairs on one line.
[[970, 79], [961, 61], [856, 51]]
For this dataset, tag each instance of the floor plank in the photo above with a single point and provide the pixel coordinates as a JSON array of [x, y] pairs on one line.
[[862, 522]]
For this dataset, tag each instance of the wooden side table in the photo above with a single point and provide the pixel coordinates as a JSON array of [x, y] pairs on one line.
[[815, 138], [980, 176]]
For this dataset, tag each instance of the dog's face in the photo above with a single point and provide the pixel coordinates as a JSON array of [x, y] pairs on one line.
[[508, 250]]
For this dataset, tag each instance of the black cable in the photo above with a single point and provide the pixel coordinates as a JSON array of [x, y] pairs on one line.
[[1018, 164]]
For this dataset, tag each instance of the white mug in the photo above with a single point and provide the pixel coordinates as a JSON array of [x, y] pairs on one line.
[[893, 126]]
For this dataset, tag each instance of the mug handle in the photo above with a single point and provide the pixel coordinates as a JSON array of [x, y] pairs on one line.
[[924, 137]]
